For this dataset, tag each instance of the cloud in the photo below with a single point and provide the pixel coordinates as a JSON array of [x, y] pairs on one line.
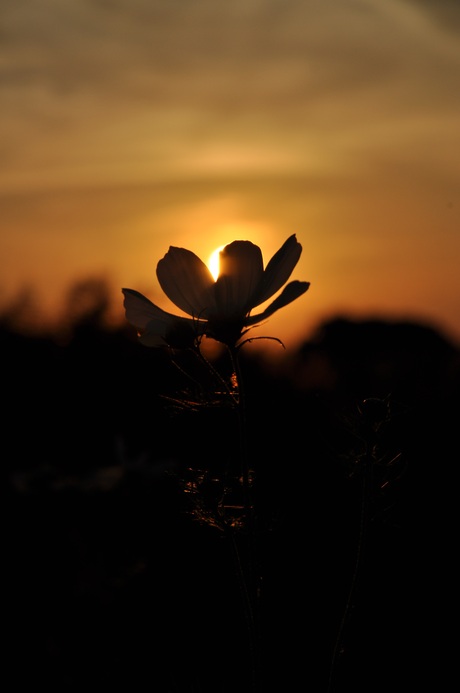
[[446, 13], [110, 88], [160, 52]]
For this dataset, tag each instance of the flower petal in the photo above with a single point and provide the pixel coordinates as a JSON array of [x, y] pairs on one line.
[[290, 292], [186, 281], [159, 328], [180, 333], [140, 311], [152, 339], [241, 271], [278, 270]]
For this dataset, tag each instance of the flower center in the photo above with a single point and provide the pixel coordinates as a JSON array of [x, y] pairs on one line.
[[226, 331]]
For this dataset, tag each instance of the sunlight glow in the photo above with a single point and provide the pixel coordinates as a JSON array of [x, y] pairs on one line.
[[213, 261]]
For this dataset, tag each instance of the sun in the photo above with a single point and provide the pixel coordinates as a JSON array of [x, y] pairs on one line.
[[213, 261]]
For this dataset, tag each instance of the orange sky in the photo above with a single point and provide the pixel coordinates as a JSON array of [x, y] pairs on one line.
[[132, 125]]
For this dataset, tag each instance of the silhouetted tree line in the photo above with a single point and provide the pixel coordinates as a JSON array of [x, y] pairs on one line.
[[113, 582]]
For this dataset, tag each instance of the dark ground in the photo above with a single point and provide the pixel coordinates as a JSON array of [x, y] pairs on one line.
[[112, 584]]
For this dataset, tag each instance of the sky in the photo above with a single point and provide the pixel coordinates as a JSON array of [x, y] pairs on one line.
[[128, 126]]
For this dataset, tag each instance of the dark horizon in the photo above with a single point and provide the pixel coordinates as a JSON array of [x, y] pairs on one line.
[[115, 581], [95, 300]]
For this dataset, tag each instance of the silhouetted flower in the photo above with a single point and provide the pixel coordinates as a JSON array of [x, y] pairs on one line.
[[219, 309]]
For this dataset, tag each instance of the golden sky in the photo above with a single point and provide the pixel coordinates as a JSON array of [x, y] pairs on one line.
[[132, 125]]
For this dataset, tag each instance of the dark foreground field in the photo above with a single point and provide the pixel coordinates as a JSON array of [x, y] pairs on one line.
[[113, 584]]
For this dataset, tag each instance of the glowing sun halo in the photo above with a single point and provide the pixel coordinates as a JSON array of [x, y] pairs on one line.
[[213, 261]]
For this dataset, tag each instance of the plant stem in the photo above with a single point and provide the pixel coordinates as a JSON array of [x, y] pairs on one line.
[[364, 520], [249, 582]]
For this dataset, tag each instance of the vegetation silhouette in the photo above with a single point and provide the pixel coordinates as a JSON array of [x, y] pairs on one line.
[[114, 583]]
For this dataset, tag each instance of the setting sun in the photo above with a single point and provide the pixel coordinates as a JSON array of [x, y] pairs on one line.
[[213, 261]]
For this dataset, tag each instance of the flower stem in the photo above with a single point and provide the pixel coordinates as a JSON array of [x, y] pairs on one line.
[[249, 582], [354, 581]]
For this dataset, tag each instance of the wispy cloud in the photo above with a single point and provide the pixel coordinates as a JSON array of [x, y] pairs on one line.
[[101, 90]]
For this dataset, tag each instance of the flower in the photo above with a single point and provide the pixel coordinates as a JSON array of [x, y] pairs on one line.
[[219, 309]]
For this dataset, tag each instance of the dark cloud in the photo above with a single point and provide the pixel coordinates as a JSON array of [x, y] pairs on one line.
[[204, 46], [148, 80], [446, 13]]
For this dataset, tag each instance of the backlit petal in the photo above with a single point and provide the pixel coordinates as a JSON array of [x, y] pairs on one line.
[[159, 328], [140, 311], [278, 270], [290, 292], [241, 271], [152, 339], [179, 333], [186, 281]]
